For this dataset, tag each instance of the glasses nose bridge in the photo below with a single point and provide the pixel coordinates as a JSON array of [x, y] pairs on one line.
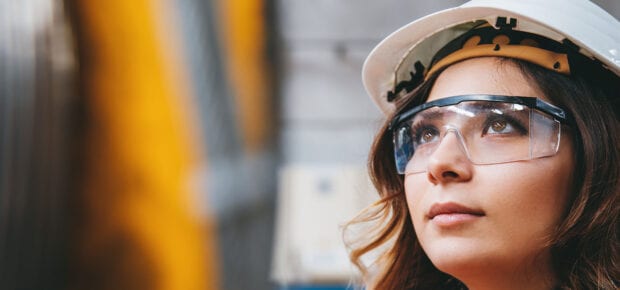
[[459, 136]]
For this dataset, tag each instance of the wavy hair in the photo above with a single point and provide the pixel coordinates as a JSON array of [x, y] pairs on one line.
[[585, 246]]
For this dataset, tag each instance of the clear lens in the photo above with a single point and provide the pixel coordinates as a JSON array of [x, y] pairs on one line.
[[489, 132]]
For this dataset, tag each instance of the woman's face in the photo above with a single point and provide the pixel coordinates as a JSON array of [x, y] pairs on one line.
[[496, 218]]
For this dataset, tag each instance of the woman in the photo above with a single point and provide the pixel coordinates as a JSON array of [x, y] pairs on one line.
[[498, 166]]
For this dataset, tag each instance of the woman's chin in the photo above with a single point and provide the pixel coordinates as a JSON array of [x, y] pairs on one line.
[[459, 258]]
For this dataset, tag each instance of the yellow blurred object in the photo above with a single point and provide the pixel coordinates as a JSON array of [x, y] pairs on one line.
[[245, 41], [139, 228]]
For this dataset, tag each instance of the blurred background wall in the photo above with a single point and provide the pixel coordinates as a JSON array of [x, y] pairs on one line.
[[189, 144]]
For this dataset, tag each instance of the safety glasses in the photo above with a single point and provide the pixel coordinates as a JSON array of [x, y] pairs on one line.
[[490, 129]]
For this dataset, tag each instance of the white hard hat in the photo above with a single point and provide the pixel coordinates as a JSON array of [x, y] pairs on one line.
[[591, 30]]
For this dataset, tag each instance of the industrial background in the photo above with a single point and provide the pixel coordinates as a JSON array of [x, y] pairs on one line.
[[188, 144]]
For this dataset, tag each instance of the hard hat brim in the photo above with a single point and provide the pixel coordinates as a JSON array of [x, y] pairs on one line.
[[583, 23]]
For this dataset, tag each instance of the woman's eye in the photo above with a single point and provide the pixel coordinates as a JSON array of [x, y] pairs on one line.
[[427, 135], [502, 126]]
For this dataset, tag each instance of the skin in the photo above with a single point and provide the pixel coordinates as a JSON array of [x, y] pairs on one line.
[[521, 202]]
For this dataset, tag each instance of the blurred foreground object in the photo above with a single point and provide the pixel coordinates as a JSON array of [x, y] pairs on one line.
[[38, 105], [139, 224], [97, 151]]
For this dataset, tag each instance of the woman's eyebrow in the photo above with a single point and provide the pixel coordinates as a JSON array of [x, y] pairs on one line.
[[479, 105], [431, 114]]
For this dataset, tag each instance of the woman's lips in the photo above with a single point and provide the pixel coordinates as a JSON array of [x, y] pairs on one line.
[[449, 214]]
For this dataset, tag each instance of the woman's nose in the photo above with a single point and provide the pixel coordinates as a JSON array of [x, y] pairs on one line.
[[449, 162]]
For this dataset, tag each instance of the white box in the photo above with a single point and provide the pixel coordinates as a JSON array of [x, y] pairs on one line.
[[314, 202]]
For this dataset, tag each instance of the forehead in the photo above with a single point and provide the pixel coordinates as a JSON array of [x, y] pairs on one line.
[[484, 75]]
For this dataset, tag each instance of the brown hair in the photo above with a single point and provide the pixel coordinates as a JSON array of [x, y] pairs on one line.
[[585, 248]]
